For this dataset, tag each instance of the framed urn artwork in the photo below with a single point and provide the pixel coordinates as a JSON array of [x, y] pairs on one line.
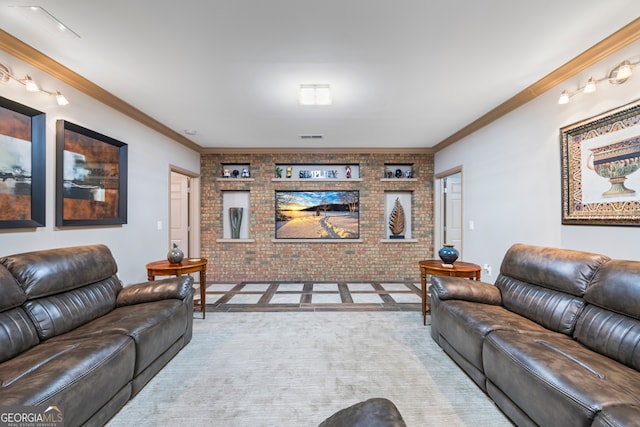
[[22, 166], [91, 177], [600, 162]]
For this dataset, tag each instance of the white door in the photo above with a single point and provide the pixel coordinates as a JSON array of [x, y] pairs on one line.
[[452, 230], [179, 212]]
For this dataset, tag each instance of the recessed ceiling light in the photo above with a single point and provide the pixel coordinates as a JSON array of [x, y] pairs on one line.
[[190, 131], [314, 95]]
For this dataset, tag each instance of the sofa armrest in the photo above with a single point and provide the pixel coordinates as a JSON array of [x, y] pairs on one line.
[[464, 289], [156, 290]]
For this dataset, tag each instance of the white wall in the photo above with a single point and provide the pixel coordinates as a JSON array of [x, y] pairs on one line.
[[512, 179], [150, 156]]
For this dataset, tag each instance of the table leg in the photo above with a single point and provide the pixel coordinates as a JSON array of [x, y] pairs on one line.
[[203, 291], [150, 277], [423, 280]]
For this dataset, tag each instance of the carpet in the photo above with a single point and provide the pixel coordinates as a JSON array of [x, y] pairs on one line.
[[294, 369], [309, 296]]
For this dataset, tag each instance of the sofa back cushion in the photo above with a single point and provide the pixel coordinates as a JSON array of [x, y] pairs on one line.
[[546, 285], [65, 288], [49, 272], [610, 323], [17, 332], [56, 314], [11, 294]]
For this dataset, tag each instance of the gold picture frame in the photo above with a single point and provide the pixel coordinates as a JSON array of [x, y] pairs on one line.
[[601, 169]]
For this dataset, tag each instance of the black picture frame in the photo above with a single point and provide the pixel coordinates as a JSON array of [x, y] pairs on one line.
[[317, 215], [22, 166], [601, 169], [91, 177]]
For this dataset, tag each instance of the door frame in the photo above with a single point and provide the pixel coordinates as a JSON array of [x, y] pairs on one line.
[[439, 208], [194, 209]]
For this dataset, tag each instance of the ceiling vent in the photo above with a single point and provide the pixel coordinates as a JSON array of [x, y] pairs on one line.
[[310, 136]]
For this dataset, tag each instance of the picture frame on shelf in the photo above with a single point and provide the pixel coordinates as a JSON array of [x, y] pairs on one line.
[[22, 166], [600, 162], [91, 177]]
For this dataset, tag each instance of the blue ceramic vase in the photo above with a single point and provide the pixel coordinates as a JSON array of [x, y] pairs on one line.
[[448, 254]]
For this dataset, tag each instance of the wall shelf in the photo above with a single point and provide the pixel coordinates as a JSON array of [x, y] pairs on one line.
[[392, 169], [317, 240], [318, 171], [316, 179], [235, 179], [399, 179], [235, 240]]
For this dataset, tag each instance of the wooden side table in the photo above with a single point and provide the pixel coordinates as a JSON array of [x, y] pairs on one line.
[[188, 265], [434, 267]]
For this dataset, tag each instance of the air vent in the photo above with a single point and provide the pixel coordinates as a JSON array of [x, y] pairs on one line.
[[310, 136]]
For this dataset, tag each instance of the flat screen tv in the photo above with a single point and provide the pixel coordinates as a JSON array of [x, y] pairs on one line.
[[317, 215]]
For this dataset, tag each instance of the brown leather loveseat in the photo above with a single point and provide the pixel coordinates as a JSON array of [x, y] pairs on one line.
[[556, 341], [72, 337]]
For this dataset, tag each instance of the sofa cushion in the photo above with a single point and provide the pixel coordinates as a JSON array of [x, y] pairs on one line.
[[611, 334], [563, 270], [79, 376], [179, 287], [48, 272], [17, 333], [464, 325], [57, 314], [555, 380], [618, 416], [153, 326], [615, 287], [466, 290], [12, 295], [554, 310], [546, 285]]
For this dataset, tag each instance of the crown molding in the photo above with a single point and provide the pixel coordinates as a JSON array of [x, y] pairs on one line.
[[290, 150], [616, 41]]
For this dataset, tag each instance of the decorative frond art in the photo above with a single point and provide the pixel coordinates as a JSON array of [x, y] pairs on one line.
[[396, 219]]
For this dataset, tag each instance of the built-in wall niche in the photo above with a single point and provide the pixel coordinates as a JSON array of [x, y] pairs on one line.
[[317, 172], [398, 171], [230, 171], [397, 213], [236, 216]]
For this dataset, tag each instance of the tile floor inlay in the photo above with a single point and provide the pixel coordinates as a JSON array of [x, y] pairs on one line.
[[310, 296]]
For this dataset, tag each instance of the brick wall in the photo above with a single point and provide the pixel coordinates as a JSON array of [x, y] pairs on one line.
[[264, 259]]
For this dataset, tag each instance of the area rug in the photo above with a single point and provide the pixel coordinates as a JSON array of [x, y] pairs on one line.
[[294, 369], [310, 296]]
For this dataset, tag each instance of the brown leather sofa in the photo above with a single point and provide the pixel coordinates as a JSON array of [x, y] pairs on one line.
[[71, 336], [556, 341]]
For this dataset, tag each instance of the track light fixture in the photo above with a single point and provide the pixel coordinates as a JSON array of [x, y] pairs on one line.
[[30, 85], [618, 75]]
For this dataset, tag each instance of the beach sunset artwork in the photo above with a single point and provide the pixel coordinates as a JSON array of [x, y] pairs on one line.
[[317, 215]]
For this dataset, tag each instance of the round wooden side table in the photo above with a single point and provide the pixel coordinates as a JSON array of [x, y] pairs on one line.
[[435, 267], [188, 265]]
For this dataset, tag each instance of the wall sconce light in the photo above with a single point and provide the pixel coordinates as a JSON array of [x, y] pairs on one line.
[[315, 95], [617, 76], [30, 85]]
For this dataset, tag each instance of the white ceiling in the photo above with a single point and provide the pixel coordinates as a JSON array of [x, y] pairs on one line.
[[403, 73]]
